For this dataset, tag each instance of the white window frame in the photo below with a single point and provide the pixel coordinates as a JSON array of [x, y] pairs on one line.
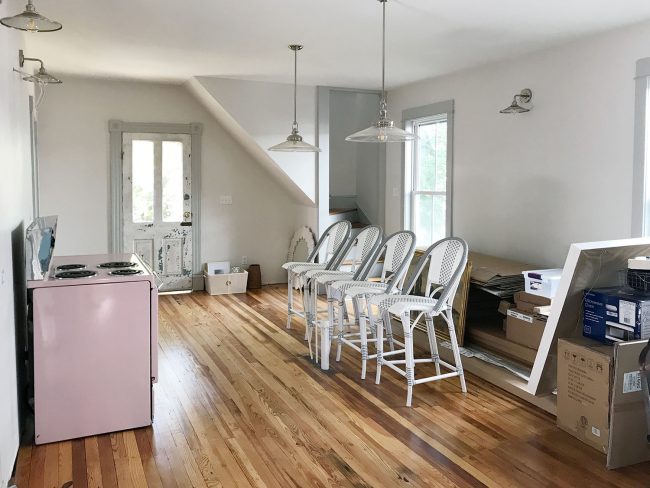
[[640, 186], [413, 118]]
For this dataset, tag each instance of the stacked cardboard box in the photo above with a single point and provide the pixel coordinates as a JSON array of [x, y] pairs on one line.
[[525, 322], [600, 398]]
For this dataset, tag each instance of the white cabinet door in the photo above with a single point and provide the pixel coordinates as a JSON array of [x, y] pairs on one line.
[[157, 206]]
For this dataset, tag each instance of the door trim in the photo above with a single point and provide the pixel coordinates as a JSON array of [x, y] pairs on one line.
[[115, 238]]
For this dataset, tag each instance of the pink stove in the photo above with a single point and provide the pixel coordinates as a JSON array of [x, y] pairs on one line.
[[95, 343]]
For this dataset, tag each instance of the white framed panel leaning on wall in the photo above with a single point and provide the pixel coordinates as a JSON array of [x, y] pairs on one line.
[[641, 172]]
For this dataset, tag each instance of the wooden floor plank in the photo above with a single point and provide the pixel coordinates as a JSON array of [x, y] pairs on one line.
[[240, 404], [23, 465]]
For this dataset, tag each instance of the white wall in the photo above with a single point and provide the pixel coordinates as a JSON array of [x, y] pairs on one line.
[[74, 161], [265, 111], [15, 202], [526, 186], [356, 169]]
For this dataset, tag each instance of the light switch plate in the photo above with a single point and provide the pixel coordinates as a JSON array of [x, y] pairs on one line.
[[225, 199]]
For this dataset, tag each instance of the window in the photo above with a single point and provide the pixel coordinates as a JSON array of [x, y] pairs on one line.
[[428, 173]]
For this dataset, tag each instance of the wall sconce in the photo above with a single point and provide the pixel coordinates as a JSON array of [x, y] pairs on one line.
[[41, 77], [524, 96]]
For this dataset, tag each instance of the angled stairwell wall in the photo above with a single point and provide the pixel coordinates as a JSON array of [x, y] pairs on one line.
[[259, 115]]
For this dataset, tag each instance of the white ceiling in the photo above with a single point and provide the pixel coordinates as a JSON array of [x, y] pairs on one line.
[[175, 40]]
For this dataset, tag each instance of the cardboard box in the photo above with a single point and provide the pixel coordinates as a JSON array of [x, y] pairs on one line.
[[584, 372], [600, 400], [524, 328], [504, 306], [528, 302], [488, 269], [615, 314]]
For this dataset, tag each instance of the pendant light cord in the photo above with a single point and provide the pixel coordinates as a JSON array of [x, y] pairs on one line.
[[295, 88], [383, 113]]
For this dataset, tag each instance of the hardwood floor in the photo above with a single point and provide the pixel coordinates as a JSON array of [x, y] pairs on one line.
[[240, 404]]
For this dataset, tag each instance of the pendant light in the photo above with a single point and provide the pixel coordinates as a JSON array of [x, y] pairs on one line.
[[30, 20], [384, 129], [294, 142]]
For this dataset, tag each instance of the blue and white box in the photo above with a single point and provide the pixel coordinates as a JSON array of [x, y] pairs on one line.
[[615, 314]]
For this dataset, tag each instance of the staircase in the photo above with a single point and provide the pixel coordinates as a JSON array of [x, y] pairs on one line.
[[350, 214]]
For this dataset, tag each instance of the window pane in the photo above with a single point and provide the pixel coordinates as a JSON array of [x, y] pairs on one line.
[[423, 216], [142, 181], [431, 167], [172, 181], [429, 218]]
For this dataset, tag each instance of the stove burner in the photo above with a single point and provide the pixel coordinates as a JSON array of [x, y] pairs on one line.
[[125, 272], [69, 275], [117, 264], [67, 267]]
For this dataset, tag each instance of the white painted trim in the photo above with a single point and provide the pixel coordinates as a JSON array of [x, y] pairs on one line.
[[640, 217], [33, 139], [116, 129], [323, 158]]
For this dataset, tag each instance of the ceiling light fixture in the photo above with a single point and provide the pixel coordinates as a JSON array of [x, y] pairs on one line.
[[384, 129], [41, 76], [294, 142], [30, 20], [524, 96]]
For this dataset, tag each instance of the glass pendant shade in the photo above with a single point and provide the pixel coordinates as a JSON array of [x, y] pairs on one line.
[[30, 20], [294, 142], [384, 129]]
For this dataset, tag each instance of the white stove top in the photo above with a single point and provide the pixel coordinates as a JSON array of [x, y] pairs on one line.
[[97, 264]]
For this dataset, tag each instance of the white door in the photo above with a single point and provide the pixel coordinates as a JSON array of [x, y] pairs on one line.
[[157, 222]]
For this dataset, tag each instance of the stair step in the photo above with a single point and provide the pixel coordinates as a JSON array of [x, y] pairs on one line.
[[336, 211]]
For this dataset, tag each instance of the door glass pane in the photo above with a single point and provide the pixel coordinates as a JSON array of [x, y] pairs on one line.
[[431, 166], [172, 181], [429, 218], [142, 181]]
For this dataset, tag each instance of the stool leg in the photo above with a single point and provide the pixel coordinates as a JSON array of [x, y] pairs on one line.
[[363, 338], [433, 343], [341, 324], [409, 359], [289, 298], [449, 318], [380, 348], [305, 306], [326, 341]]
